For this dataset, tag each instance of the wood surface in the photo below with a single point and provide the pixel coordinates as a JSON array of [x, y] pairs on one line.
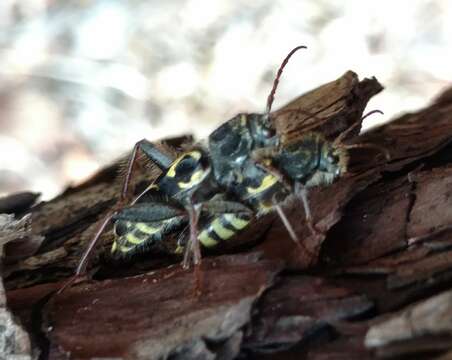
[[377, 282]]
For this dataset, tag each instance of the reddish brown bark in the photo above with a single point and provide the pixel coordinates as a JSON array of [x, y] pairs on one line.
[[378, 282]]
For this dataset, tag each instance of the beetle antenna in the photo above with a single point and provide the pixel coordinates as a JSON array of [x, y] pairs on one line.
[[344, 134], [271, 97], [369, 146], [376, 111]]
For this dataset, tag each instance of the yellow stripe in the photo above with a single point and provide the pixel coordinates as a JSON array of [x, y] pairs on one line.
[[243, 120], [206, 240], [236, 222], [125, 249], [220, 230], [172, 170], [149, 230], [195, 154], [114, 247], [268, 181], [179, 249], [132, 239], [195, 179]]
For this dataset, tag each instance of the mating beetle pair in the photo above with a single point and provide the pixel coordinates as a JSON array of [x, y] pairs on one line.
[[212, 191]]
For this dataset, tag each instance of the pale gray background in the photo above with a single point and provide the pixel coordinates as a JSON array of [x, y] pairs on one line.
[[82, 81]]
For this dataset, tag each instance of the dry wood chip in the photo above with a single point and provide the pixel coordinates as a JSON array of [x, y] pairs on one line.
[[152, 316], [429, 317], [313, 304], [373, 225], [432, 209], [14, 341]]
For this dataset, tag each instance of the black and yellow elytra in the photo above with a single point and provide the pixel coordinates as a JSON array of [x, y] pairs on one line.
[[160, 212], [224, 169]]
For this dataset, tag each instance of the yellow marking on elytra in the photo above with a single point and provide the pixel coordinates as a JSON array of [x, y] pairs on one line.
[[206, 240], [195, 154], [179, 249], [195, 179], [236, 222], [172, 170], [125, 249], [220, 230], [243, 120], [114, 247], [132, 239], [144, 228], [267, 182]]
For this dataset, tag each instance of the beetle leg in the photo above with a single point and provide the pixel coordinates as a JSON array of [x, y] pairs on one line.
[[193, 248], [302, 192], [262, 158], [162, 160], [291, 231]]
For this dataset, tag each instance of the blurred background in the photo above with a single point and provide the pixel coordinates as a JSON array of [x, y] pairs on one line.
[[81, 81]]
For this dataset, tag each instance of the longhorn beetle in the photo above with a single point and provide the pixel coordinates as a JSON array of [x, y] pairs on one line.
[[215, 188]]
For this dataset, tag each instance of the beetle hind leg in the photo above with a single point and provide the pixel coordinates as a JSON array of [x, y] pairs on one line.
[[302, 192], [193, 247]]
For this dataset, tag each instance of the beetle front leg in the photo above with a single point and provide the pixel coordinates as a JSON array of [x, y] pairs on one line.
[[158, 157]]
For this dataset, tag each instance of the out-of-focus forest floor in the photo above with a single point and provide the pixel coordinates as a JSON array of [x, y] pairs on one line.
[[82, 81]]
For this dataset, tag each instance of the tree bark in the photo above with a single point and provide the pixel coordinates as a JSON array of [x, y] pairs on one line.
[[376, 282]]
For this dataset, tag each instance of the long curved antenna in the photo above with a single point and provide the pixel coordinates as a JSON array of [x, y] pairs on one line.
[[383, 150], [371, 113], [344, 134], [271, 97]]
